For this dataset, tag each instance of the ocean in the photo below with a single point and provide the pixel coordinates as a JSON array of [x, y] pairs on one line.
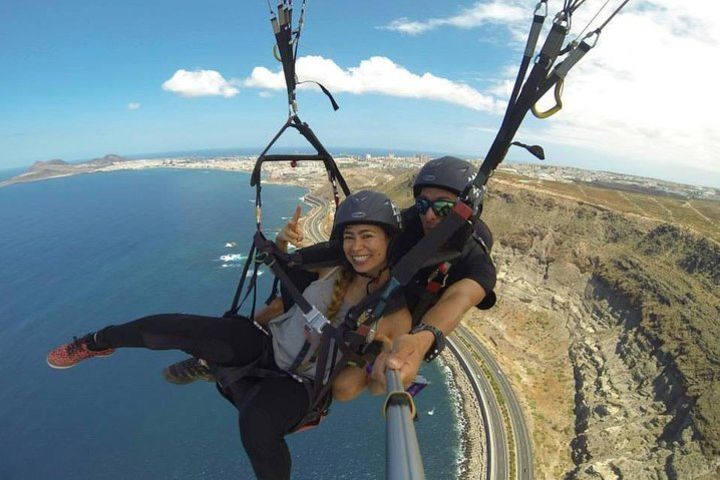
[[82, 252]]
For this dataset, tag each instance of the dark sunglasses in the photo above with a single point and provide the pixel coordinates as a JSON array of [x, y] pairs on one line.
[[439, 207]]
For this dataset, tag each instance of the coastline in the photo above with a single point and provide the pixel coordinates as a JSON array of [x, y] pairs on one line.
[[472, 453]]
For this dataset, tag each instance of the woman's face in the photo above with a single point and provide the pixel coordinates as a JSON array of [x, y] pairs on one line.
[[365, 247]]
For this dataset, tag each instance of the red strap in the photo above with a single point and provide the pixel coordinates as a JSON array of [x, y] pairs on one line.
[[363, 330], [463, 209], [433, 287]]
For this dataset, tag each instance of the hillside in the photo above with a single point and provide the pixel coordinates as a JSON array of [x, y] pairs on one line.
[[607, 324]]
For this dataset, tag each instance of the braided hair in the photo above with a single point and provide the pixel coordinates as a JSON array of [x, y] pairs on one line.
[[342, 283]]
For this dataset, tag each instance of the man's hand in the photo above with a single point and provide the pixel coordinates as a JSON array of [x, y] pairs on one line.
[[406, 355], [292, 232]]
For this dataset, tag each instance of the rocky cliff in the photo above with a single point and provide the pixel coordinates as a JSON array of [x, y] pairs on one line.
[[639, 303]]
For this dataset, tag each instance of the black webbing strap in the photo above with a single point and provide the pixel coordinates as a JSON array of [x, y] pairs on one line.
[[327, 93], [412, 261], [319, 255], [541, 79], [322, 155], [333, 340], [535, 28], [267, 253], [408, 265], [236, 304], [282, 28]]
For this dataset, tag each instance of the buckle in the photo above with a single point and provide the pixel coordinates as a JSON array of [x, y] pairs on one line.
[[316, 320]]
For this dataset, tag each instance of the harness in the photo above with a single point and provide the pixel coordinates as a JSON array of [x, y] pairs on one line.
[[351, 340]]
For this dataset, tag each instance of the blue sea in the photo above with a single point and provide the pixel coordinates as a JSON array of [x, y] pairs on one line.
[[81, 252]]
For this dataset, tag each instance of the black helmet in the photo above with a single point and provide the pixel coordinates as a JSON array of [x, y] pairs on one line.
[[370, 207], [450, 173]]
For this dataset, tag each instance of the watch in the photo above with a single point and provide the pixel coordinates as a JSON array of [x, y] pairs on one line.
[[439, 343]]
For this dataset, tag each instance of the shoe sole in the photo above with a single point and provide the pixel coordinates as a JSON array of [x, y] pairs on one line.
[[65, 367], [185, 380]]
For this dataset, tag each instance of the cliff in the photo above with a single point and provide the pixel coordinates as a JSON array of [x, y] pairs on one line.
[[607, 324], [639, 300]]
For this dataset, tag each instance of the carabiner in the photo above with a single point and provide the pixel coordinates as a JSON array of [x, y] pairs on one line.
[[276, 53], [558, 102]]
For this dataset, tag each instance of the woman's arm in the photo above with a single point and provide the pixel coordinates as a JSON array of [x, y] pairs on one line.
[[292, 233], [352, 380], [269, 311]]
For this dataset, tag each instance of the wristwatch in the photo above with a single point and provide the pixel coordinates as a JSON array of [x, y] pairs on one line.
[[439, 343]]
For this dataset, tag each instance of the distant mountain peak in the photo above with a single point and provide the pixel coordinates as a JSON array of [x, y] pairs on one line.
[[107, 159], [44, 164]]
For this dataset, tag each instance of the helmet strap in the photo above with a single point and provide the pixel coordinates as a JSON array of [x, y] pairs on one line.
[[373, 278]]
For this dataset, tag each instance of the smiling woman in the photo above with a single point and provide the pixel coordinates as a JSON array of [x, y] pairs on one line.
[[286, 365]]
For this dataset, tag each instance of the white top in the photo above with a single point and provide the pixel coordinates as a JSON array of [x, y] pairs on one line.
[[289, 330]]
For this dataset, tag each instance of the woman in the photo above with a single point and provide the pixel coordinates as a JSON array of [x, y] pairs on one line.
[[367, 222]]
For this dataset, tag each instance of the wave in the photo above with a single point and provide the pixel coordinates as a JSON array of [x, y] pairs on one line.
[[232, 257], [230, 244], [236, 265], [456, 407]]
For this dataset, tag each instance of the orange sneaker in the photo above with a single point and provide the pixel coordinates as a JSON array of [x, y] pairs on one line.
[[70, 354]]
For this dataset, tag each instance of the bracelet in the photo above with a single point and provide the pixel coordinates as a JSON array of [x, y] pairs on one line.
[[438, 344]]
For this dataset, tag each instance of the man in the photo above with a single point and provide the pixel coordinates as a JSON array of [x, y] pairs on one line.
[[439, 294]]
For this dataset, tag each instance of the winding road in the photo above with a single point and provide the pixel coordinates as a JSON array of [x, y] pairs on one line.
[[521, 439]]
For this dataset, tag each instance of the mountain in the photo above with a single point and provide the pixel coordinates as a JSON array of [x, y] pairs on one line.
[[106, 160], [42, 170], [607, 325]]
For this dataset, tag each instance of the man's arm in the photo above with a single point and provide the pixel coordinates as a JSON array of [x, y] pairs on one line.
[[409, 350]]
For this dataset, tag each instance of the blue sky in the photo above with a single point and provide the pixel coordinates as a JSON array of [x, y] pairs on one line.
[[84, 79]]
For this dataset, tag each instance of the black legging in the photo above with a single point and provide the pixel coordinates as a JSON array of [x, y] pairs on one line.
[[279, 403]]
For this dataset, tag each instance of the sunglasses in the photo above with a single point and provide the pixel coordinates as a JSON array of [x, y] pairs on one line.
[[439, 207]]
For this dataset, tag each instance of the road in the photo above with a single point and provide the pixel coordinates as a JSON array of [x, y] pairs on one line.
[[523, 446], [314, 221], [495, 440]]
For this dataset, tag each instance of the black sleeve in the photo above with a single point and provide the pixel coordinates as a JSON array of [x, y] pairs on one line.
[[477, 265], [396, 301]]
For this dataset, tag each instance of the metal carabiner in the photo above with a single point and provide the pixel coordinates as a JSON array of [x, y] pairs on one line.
[[596, 34], [558, 102], [276, 53]]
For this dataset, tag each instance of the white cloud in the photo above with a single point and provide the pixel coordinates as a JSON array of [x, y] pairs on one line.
[[647, 92], [265, 94], [199, 83], [376, 75], [648, 89], [496, 11], [133, 106]]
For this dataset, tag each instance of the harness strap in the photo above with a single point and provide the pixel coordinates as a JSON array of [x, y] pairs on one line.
[[236, 304], [411, 262], [334, 104], [267, 253]]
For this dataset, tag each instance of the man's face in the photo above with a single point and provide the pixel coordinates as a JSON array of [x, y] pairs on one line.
[[430, 219]]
